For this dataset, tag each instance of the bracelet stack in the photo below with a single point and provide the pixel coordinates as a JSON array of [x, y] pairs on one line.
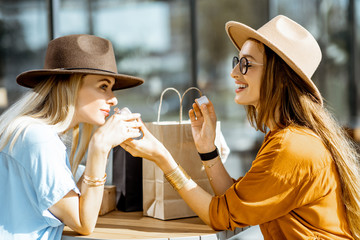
[[94, 182], [210, 155], [177, 178]]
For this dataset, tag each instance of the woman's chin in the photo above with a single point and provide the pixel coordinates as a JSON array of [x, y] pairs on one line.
[[239, 101], [242, 101]]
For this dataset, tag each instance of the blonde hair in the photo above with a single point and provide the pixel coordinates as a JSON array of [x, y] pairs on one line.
[[284, 92], [51, 102]]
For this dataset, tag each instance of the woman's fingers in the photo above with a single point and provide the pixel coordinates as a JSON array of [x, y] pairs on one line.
[[133, 129], [144, 147], [121, 127], [205, 111], [197, 111], [132, 135], [128, 117], [192, 115], [131, 121], [143, 128], [134, 124]]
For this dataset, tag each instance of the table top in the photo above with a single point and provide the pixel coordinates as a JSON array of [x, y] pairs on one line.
[[133, 225]]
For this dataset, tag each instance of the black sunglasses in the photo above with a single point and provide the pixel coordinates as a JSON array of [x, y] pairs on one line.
[[244, 64]]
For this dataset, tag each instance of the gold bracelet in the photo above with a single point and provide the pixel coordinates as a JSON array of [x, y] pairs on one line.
[[177, 178], [94, 181], [210, 165]]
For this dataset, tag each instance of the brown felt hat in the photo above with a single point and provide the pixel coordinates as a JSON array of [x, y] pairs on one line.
[[79, 53], [293, 43]]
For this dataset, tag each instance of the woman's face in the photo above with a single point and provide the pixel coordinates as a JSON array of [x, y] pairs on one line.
[[95, 98], [248, 85]]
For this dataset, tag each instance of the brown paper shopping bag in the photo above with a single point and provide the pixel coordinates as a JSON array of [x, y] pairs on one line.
[[160, 200]]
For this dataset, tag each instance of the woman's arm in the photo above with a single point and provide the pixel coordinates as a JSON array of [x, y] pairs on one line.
[[80, 212], [194, 196], [203, 123], [197, 199], [150, 148], [219, 178]]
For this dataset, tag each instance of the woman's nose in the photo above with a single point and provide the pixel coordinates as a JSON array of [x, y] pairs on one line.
[[112, 100], [235, 73]]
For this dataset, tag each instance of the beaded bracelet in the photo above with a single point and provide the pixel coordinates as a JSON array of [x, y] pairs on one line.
[[95, 182]]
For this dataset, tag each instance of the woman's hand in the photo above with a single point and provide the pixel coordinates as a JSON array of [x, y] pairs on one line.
[[203, 125], [150, 148], [117, 129], [147, 147]]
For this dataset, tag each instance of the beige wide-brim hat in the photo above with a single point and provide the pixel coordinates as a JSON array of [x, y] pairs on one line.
[[80, 53], [293, 43]]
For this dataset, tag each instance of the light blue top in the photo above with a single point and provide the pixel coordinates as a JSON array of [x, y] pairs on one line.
[[33, 177]]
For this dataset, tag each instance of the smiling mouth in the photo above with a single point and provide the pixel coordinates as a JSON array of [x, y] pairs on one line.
[[242, 86]]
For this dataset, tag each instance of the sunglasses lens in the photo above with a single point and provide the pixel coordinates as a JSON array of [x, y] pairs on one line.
[[235, 62], [243, 65]]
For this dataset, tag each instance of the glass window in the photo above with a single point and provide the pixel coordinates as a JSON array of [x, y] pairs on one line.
[[151, 40], [23, 39], [330, 24], [356, 50]]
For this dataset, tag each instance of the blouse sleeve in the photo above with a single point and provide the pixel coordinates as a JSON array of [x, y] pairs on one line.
[[272, 188]]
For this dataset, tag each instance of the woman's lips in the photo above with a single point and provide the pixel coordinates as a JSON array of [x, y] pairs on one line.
[[106, 112], [240, 86]]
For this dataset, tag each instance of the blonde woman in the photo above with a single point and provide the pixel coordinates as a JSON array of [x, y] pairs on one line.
[[304, 181], [38, 191]]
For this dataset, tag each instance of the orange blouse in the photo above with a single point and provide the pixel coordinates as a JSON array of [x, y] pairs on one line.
[[292, 191]]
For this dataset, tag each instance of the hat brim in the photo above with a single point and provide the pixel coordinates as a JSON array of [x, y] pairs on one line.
[[239, 33], [31, 78]]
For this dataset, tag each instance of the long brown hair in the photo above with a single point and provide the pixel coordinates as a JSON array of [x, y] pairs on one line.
[[287, 100]]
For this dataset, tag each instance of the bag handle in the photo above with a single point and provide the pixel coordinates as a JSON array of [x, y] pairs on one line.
[[181, 98], [161, 99]]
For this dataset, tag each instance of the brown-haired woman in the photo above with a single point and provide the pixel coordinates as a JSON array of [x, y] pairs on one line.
[[304, 182]]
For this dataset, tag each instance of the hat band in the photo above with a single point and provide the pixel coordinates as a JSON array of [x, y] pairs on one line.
[[96, 69]]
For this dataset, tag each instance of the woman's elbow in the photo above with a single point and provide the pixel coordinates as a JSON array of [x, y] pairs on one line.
[[84, 230]]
